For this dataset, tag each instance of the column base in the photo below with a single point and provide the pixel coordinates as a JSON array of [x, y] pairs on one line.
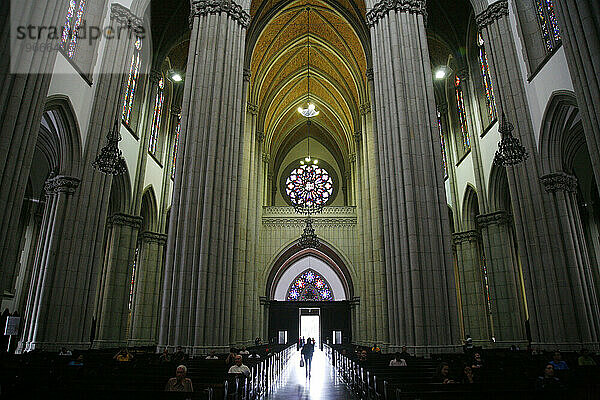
[[108, 344], [25, 347]]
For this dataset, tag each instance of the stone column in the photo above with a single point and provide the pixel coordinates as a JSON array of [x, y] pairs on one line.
[[571, 240], [113, 311], [22, 100], [581, 19], [415, 219], [504, 278], [472, 286], [450, 162], [69, 308], [59, 192], [553, 302], [197, 291], [145, 310]]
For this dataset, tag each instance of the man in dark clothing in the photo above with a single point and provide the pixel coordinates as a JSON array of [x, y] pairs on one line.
[[548, 382], [307, 353]]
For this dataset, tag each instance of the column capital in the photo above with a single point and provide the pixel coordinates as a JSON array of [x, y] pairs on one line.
[[494, 12], [202, 8], [175, 110], [247, 74], [369, 74], [365, 108], [153, 237], [383, 7], [467, 236], [352, 159], [125, 17], [266, 158], [357, 136], [132, 221], [260, 136], [442, 108], [61, 184], [559, 181], [495, 218], [252, 108]]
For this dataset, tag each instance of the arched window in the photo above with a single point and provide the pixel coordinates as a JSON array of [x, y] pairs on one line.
[[133, 81], [462, 116], [70, 33], [175, 147], [309, 186], [548, 24], [309, 286], [443, 144], [156, 118], [486, 79]]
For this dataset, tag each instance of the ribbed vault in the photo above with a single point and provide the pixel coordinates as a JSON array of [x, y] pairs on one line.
[[279, 63]]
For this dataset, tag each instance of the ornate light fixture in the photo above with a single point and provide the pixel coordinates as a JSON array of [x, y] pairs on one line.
[[110, 161], [308, 239], [510, 151]]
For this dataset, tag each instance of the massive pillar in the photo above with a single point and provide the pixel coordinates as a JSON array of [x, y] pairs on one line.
[[557, 313], [145, 307], [415, 227], [197, 291], [68, 307], [22, 98], [504, 278], [579, 22]]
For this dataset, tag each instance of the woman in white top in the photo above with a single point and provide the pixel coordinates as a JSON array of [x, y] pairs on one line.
[[397, 361]]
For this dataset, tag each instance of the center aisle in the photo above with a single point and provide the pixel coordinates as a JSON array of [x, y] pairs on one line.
[[324, 382]]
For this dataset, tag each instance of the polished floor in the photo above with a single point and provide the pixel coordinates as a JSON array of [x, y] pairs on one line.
[[324, 382]]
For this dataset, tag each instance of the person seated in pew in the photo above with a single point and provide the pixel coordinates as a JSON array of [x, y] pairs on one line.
[[254, 354], [362, 356], [397, 361], [244, 352], [548, 382], [230, 360], [585, 360], [180, 383], [468, 377], [442, 374], [239, 367], [123, 355], [65, 352], [165, 357], [558, 363], [212, 356], [179, 356], [257, 341], [375, 348], [404, 353]]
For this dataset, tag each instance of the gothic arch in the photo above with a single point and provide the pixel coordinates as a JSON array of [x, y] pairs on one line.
[[293, 253], [470, 208], [561, 136], [498, 190], [120, 193], [149, 210]]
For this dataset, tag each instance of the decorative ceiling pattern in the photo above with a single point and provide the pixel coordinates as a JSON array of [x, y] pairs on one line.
[[279, 66]]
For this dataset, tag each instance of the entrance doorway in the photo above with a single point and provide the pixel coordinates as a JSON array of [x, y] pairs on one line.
[[310, 324]]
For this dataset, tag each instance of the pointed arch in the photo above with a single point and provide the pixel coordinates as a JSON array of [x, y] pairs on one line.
[[470, 208], [120, 193], [149, 210], [498, 190]]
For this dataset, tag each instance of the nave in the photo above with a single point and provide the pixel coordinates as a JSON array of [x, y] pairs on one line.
[[324, 383]]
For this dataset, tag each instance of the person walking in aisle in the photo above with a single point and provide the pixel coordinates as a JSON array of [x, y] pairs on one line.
[[307, 353]]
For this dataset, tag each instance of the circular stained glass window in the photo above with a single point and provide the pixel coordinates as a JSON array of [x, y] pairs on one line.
[[309, 186], [309, 286]]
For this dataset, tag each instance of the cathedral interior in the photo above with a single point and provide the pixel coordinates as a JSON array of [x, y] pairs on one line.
[[416, 171]]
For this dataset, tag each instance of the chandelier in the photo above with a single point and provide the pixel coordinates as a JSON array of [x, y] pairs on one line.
[[110, 161], [510, 151], [309, 239]]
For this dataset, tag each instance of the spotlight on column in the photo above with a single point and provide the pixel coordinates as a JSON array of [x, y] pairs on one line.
[[175, 76], [441, 73]]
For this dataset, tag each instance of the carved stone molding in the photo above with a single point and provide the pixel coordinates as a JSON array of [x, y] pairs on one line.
[[493, 13], [125, 220], [299, 222], [382, 8], [260, 136], [247, 75], [153, 237], [463, 74], [463, 237], [369, 74], [443, 108], [155, 76], [252, 108], [352, 159], [495, 218], [365, 108], [61, 184], [205, 7], [289, 211], [357, 136], [124, 17], [175, 110], [559, 181], [266, 157]]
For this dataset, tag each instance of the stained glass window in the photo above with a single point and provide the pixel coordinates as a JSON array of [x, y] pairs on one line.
[[443, 144], [548, 23], [175, 148], [490, 100], [70, 32], [137, 251], [486, 287], [309, 186], [132, 83], [158, 108], [309, 286], [462, 115]]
